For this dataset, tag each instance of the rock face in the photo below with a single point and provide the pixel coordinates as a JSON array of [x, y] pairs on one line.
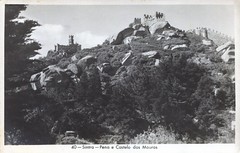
[[151, 54], [86, 61], [229, 55], [74, 58], [127, 59], [224, 46], [227, 52], [105, 68], [111, 39], [182, 47], [129, 39], [73, 68], [122, 35], [141, 31], [46, 77], [34, 80], [53, 75], [153, 27]]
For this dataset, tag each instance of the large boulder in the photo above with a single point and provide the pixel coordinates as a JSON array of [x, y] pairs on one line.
[[154, 25], [129, 39], [104, 67], [224, 46], [137, 26], [122, 35], [170, 33], [127, 59], [74, 58], [228, 55], [151, 54], [73, 68], [52, 75], [86, 61], [142, 32], [180, 47], [111, 39], [35, 81]]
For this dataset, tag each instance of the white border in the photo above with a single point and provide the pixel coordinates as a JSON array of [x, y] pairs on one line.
[[169, 148]]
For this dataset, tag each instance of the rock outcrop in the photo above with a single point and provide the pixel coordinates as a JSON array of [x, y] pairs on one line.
[[122, 35], [86, 61], [127, 59], [227, 52], [53, 75]]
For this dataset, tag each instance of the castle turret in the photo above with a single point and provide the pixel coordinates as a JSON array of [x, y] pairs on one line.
[[137, 21], [204, 33], [55, 48], [71, 40], [197, 31]]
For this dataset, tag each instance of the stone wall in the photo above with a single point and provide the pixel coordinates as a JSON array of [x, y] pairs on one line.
[[71, 47], [218, 37]]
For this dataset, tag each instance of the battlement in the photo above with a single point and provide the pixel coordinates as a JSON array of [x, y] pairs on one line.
[[157, 16], [137, 21], [218, 37], [201, 32], [219, 34]]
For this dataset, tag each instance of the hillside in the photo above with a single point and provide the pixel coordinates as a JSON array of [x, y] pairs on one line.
[[152, 83]]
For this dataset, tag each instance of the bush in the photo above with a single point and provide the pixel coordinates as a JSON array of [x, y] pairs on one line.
[[159, 135]]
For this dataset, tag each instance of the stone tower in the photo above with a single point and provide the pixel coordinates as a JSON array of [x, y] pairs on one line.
[[204, 33], [71, 40], [137, 21], [197, 31]]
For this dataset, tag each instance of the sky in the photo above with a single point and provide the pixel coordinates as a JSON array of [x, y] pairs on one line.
[[92, 24]]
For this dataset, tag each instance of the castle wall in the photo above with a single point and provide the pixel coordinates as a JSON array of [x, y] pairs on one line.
[[68, 48], [218, 38], [137, 21], [151, 19]]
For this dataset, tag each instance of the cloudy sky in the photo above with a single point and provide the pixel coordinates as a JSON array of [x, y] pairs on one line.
[[91, 25]]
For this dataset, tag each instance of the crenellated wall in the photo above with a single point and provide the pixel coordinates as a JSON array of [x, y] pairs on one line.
[[137, 21], [158, 16], [218, 37]]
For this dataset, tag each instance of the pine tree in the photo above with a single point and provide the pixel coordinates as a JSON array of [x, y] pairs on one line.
[[19, 47]]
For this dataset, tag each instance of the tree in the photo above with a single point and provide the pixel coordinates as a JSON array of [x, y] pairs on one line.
[[19, 47]]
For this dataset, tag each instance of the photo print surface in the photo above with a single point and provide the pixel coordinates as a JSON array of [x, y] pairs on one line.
[[119, 74]]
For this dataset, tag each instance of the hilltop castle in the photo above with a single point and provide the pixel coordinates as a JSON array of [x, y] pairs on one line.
[[158, 16], [70, 48]]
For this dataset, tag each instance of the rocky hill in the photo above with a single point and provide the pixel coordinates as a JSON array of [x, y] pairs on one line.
[[152, 83]]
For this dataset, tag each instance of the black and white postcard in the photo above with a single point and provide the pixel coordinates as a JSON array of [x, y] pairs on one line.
[[111, 76]]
